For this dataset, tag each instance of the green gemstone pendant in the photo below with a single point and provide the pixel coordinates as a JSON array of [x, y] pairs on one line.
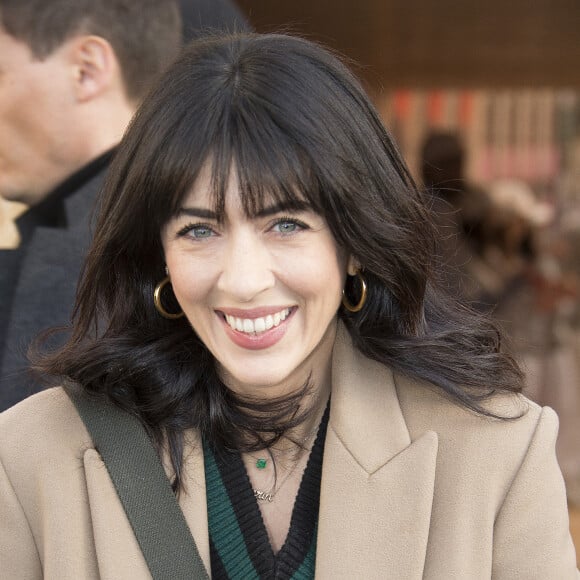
[[261, 463]]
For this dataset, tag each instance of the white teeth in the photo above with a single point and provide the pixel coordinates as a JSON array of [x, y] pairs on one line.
[[257, 325]]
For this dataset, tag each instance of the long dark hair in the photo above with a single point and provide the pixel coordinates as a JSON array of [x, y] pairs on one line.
[[296, 125]]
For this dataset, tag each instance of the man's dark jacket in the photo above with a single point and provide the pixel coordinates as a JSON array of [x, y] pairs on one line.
[[39, 290]]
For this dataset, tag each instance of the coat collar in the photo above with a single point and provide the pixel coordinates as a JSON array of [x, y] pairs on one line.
[[68, 203], [362, 388], [377, 485]]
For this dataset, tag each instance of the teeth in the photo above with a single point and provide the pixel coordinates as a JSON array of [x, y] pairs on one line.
[[257, 325]]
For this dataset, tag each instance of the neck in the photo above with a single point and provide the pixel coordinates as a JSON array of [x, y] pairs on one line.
[[302, 436], [105, 124]]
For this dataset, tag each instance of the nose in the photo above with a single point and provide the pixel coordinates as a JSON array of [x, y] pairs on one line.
[[246, 269]]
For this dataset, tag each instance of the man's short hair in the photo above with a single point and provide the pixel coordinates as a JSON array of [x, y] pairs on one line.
[[145, 34]]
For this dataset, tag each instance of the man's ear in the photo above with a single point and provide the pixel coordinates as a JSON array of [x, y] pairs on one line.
[[352, 266], [95, 66]]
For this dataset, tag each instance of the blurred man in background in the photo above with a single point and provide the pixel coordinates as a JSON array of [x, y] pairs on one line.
[[72, 73]]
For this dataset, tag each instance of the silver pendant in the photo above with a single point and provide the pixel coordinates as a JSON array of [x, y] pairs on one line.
[[263, 495]]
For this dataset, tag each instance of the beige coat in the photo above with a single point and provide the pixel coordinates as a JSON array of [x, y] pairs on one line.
[[412, 487]]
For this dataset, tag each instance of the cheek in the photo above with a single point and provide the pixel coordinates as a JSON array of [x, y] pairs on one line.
[[184, 288], [192, 282], [178, 271], [317, 275]]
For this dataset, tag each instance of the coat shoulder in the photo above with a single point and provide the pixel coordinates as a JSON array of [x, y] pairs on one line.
[[40, 431], [475, 444], [426, 406]]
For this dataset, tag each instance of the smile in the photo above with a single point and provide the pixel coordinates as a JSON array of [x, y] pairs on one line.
[[257, 325]]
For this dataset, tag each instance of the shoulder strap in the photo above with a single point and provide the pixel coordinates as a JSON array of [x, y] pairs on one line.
[[144, 490]]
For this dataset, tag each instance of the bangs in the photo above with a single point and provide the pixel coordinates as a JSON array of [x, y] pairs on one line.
[[271, 168]]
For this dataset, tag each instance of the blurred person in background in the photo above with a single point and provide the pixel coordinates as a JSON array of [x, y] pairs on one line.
[[460, 209], [487, 236], [71, 76]]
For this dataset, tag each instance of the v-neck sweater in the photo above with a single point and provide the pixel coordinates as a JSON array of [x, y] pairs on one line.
[[239, 543]]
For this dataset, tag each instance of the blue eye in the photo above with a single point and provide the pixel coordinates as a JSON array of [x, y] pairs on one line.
[[200, 232], [196, 231], [288, 226]]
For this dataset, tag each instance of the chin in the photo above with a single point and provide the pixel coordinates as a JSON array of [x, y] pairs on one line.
[[277, 384]]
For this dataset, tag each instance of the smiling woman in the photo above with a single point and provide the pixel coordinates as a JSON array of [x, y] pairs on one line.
[[261, 290], [260, 299]]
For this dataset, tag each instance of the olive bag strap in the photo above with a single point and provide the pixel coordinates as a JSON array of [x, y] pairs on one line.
[[143, 488]]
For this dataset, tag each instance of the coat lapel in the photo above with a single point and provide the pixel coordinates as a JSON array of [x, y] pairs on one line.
[[377, 485]]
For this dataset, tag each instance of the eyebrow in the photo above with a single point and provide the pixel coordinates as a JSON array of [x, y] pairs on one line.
[[282, 207], [209, 214], [198, 212]]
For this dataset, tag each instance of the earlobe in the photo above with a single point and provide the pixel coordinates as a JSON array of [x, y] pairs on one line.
[[94, 65], [352, 266]]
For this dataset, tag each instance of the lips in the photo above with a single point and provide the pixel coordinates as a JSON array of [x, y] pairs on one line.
[[257, 328]]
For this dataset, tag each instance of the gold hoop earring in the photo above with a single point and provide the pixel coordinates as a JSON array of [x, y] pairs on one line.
[[363, 297], [158, 304]]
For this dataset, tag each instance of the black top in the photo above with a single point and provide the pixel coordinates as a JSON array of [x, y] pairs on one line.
[[50, 212]]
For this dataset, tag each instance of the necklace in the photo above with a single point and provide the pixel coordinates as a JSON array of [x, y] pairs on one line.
[[261, 463], [270, 495]]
